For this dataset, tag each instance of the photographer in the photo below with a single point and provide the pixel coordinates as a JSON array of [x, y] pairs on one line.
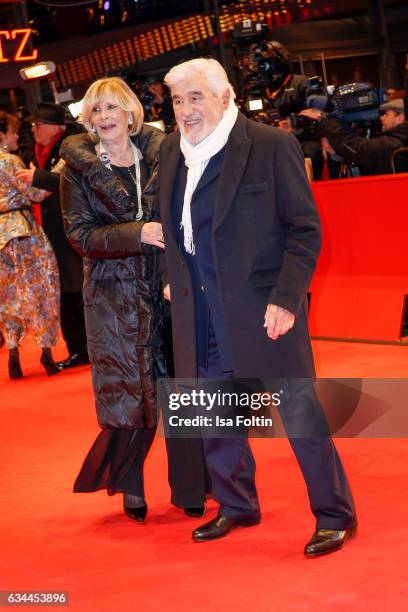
[[268, 73], [372, 156]]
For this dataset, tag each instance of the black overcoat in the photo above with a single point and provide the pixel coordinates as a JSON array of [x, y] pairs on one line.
[[266, 239], [122, 291], [69, 262]]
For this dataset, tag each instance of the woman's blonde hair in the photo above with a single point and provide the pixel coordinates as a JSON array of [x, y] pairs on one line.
[[118, 92]]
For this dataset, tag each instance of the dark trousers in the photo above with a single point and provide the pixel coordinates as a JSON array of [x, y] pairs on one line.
[[329, 493], [231, 465], [230, 462], [187, 472], [330, 497], [73, 323], [221, 466]]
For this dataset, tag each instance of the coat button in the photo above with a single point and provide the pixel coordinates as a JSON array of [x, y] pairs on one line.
[[184, 291], [202, 288]]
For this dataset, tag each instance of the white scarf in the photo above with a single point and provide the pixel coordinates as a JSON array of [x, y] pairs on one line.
[[196, 159]]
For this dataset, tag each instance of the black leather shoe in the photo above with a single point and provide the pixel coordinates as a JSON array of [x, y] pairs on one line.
[[137, 514], [197, 512], [325, 541], [73, 360], [218, 528]]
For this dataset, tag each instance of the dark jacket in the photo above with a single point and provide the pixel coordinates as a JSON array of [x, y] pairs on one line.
[[122, 292], [266, 239], [373, 156], [293, 95], [69, 262]]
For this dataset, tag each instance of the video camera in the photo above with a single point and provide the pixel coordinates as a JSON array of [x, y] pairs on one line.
[[268, 62], [262, 64], [352, 104]]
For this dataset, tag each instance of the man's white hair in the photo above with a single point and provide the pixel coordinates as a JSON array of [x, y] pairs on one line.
[[212, 71]]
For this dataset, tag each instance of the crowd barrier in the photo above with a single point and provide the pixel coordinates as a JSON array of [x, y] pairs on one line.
[[361, 280]]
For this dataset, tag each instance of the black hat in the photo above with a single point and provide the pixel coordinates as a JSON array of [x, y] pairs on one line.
[[47, 112]]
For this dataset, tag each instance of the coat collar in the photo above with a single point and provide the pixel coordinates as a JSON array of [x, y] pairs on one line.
[[79, 154], [170, 157], [235, 159]]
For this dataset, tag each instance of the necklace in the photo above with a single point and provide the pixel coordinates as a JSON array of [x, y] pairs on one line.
[[137, 156]]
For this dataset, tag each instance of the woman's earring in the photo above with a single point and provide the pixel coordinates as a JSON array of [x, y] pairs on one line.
[[93, 128], [130, 120]]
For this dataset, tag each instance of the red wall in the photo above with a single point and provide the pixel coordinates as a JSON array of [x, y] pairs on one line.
[[362, 274]]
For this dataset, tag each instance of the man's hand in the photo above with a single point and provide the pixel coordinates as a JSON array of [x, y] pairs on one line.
[[278, 321], [166, 293], [26, 175], [312, 113], [152, 234], [284, 124]]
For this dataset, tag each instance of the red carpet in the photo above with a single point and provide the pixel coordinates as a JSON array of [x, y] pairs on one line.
[[52, 540]]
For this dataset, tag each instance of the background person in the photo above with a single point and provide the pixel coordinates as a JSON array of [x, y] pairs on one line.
[[48, 126], [161, 107], [373, 155], [29, 284]]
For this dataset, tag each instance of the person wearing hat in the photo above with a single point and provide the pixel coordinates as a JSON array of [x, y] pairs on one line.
[[49, 130], [374, 155]]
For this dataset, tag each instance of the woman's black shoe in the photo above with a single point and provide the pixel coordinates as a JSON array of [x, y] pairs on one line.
[[48, 363], [137, 514], [195, 512], [14, 367]]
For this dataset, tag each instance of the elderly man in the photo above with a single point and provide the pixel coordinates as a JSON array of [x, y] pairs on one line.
[[48, 127], [242, 237]]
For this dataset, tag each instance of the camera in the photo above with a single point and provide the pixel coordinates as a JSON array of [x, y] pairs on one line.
[[352, 104]]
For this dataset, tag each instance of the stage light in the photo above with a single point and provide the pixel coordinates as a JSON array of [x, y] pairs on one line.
[[37, 71], [106, 5], [255, 105]]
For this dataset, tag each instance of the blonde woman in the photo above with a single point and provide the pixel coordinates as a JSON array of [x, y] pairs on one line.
[[107, 192]]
